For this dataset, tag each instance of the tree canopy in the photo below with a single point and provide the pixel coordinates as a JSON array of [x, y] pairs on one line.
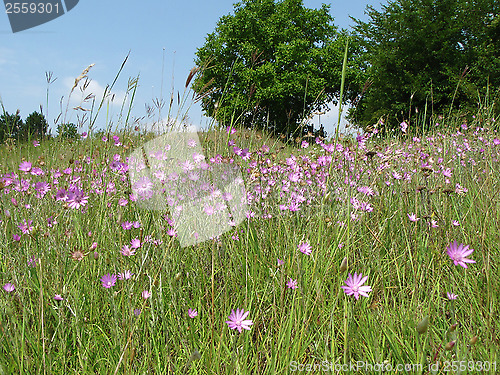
[[35, 126], [427, 56], [12, 126], [270, 64]]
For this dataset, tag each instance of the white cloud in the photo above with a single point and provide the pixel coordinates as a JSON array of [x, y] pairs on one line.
[[331, 118]]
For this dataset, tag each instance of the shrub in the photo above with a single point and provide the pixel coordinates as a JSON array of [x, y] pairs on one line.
[[68, 131]]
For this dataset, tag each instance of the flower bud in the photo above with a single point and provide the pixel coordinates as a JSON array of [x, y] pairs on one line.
[[450, 345], [453, 327], [343, 265], [473, 340], [423, 325]]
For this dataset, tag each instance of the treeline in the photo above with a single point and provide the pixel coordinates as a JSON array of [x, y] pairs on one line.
[[34, 127], [12, 126]]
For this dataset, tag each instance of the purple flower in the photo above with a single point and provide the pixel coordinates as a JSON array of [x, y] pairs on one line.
[[61, 195], [9, 287], [26, 226], [143, 188], [451, 296], [33, 261], [125, 275], [25, 166], [459, 254], [403, 126], [146, 294], [126, 251], [237, 320], [413, 217], [305, 248], [37, 172], [58, 297], [135, 243], [292, 284], [137, 312], [192, 313], [280, 262], [434, 224], [127, 225], [355, 286], [76, 199], [108, 280]]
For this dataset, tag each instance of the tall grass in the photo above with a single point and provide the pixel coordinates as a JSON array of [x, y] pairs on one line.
[[347, 200]]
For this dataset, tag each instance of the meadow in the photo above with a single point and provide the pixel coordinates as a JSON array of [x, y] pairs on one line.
[[355, 255]]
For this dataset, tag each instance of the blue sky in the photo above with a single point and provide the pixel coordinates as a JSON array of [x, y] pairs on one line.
[[160, 35]]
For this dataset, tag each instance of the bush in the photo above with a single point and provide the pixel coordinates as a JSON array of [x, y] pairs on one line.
[[68, 131]]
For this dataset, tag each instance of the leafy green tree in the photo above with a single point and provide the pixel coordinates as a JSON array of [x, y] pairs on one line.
[[35, 126], [10, 125], [427, 56], [271, 64], [69, 131]]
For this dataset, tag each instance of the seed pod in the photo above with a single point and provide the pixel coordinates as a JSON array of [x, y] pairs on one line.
[[423, 325], [343, 265], [450, 345]]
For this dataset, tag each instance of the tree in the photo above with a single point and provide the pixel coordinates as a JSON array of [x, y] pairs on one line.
[[34, 126], [271, 64], [10, 125], [427, 56], [69, 131]]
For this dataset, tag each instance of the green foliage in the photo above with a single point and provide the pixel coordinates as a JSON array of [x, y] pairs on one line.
[[68, 131], [10, 125], [427, 56], [271, 64], [35, 126]]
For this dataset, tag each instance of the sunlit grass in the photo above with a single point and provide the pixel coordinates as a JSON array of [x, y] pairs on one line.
[[350, 199]]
